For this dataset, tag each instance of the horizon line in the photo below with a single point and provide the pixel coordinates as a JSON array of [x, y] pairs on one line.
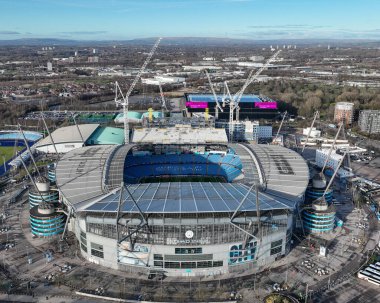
[[191, 37]]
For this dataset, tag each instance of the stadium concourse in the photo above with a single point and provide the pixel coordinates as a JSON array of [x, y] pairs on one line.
[[182, 201]]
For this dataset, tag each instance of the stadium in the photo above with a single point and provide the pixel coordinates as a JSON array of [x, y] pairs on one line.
[[15, 138], [11, 142], [182, 202]]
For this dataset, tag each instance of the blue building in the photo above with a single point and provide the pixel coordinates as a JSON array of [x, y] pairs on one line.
[[12, 138], [316, 189], [251, 106], [319, 217], [43, 201], [45, 222]]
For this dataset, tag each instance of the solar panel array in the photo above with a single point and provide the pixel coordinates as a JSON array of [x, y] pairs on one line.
[[186, 197]]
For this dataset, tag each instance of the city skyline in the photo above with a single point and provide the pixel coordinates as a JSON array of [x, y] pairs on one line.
[[250, 19]]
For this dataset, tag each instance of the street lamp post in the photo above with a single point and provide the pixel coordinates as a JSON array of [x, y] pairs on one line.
[[5, 165], [306, 292]]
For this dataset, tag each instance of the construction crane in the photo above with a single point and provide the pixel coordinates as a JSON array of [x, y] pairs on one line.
[[122, 100], [218, 107], [227, 98], [163, 104], [252, 77], [235, 99]]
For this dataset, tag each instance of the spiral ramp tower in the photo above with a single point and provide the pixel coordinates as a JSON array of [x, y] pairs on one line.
[[43, 192], [319, 213], [317, 188], [51, 172], [319, 217], [45, 220]]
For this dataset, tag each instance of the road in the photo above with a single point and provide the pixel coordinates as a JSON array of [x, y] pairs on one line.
[[368, 171]]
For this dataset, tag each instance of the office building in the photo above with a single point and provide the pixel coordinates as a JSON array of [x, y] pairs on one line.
[[344, 112], [369, 121]]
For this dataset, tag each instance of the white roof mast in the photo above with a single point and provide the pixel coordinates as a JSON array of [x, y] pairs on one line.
[[124, 98]]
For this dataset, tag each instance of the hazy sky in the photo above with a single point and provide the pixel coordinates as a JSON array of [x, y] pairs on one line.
[[248, 19]]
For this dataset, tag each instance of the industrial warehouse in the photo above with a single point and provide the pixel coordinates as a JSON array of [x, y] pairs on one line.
[[194, 208]]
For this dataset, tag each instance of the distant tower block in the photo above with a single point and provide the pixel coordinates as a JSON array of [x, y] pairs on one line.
[[76, 54], [94, 50], [49, 66], [93, 59], [344, 112]]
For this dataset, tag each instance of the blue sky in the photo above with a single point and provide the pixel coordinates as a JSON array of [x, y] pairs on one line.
[[247, 19]]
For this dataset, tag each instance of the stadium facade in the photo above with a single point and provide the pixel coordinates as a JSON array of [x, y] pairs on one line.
[[182, 208]]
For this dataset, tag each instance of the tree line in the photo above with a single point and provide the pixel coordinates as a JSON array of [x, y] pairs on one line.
[[304, 98]]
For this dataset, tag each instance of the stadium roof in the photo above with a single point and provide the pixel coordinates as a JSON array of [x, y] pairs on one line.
[[106, 135], [79, 173], [284, 171], [87, 175], [186, 197], [179, 135], [69, 134]]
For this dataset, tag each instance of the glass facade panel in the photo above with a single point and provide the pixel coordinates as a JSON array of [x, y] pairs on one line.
[[276, 247], [97, 250]]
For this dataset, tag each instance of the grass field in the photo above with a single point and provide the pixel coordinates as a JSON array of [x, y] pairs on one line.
[[7, 152]]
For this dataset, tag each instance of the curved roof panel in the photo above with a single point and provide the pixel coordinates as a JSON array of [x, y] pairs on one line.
[[79, 173], [285, 172], [89, 178], [106, 135], [186, 197], [69, 134]]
